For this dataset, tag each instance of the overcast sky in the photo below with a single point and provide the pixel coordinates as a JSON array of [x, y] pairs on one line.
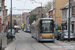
[[23, 4]]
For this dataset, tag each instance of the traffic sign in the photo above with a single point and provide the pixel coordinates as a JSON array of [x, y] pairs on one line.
[[56, 25], [8, 19]]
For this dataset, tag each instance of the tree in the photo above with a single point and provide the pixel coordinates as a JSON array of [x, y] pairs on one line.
[[59, 28], [32, 18], [48, 5]]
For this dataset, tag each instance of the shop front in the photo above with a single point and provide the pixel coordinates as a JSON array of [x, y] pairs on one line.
[[64, 26], [73, 23]]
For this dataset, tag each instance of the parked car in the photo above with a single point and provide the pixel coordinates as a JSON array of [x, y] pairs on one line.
[[9, 33], [24, 30], [58, 34], [55, 32], [64, 35]]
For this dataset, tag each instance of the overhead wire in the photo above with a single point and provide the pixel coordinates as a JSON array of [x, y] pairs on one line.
[[24, 4]]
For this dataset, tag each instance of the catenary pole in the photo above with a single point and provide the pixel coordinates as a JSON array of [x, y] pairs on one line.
[[69, 23], [11, 18]]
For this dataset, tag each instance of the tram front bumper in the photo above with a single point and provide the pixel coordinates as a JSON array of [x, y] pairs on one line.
[[46, 39]]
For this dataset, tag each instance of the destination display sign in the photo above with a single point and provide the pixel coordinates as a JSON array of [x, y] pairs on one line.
[[46, 21]]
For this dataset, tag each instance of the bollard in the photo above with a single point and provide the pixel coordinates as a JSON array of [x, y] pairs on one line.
[[1, 44]]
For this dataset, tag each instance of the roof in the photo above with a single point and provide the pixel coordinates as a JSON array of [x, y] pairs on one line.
[[45, 18], [37, 7], [42, 18], [65, 7], [50, 10], [25, 14]]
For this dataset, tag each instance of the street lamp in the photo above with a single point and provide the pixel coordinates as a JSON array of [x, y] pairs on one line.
[[69, 23], [41, 8]]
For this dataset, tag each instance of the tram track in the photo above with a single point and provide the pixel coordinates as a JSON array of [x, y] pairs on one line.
[[54, 44], [18, 42], [47, 46], [31, 45], [62, 46], [40, 43], [28, 42], [44, 45], [68, 44]]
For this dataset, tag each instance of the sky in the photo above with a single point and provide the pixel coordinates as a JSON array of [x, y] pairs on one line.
[[23, 4]]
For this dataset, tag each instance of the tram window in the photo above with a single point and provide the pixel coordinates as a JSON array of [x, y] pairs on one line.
[[47, 27]]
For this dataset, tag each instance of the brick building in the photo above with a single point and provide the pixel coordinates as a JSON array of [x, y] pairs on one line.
[[73, 14], [57, 4], [2, 2], [23, 17], [37, 11], [17, 19]]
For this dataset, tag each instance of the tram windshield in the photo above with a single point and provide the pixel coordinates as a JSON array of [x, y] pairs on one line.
[[47, 27]]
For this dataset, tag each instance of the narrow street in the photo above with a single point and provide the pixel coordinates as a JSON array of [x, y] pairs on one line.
[[25, 42]]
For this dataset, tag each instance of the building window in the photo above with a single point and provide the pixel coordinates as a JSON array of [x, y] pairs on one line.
[[15, 16], [73, 10], [65, 13], [54, 17], [19, 16], [19, 20], [54, 5]]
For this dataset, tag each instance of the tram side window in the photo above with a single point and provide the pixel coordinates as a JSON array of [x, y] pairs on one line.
[[51, 28]]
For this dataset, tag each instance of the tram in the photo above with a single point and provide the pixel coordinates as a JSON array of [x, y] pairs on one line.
[[43, 29]]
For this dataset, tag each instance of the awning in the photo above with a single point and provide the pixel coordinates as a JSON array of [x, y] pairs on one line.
[[72, 18], [64, 21]]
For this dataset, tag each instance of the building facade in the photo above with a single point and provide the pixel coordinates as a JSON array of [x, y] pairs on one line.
[[65, 15], [51, 11], [2, 2], [5, 16], [17, 19], [37, 11], [73, 15], [23, 17], [57, 4]]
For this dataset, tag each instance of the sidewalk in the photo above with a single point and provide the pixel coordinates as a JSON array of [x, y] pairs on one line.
[[4, 40]]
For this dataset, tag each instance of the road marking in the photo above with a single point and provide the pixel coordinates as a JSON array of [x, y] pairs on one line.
[[24, 49]]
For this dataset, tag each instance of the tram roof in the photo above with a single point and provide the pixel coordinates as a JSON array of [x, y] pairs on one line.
[[45, 18], [42, 18]]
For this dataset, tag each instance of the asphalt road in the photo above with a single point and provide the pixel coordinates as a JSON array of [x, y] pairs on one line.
[[25, 42]]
